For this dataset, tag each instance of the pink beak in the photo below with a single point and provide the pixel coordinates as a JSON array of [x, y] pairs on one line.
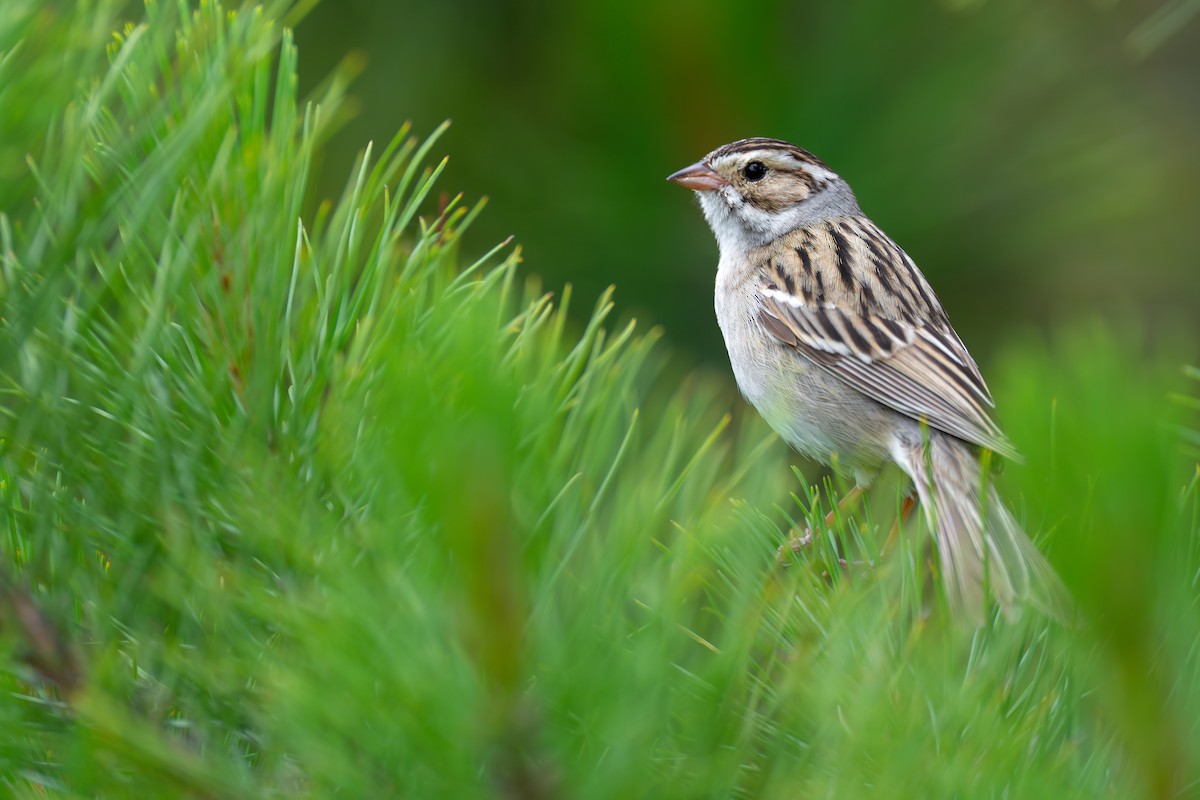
[[699, 177]]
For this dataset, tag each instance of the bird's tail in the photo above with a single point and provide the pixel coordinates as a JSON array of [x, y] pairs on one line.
[[980, 544]]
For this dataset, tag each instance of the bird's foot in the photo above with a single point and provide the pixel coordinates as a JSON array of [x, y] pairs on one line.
[[796, 544]]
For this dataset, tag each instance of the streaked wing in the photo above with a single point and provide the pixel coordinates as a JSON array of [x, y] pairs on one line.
[[920, 369]]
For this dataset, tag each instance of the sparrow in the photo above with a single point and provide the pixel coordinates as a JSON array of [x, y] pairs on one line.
[[839, 341]]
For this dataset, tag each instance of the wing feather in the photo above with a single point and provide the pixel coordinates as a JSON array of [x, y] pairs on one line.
[[920, 370]]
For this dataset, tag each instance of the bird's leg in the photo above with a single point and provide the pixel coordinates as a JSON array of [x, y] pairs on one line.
[[906, 508], [797, 543]]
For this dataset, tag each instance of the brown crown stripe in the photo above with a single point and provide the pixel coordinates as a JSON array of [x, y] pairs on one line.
[[763, 143]]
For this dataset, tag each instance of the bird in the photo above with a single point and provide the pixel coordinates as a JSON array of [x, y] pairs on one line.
[[840, 343]]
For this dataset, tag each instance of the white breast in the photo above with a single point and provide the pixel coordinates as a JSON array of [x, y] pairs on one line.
[[796, 398], [737, 315]]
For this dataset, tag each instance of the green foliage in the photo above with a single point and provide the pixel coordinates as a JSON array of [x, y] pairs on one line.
[[302, 502]]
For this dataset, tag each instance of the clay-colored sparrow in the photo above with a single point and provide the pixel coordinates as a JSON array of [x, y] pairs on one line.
[[838, 340]]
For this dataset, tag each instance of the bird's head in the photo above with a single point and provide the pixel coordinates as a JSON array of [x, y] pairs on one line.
[[755, 190]]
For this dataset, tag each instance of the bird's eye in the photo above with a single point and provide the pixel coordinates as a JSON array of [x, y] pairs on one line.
[[754, 171]]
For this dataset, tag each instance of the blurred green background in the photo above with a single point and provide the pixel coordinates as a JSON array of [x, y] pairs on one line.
[[297, 502], [1038, 160]]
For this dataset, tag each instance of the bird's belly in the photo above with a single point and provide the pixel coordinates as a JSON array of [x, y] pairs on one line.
[[787, 401], [810, 409]]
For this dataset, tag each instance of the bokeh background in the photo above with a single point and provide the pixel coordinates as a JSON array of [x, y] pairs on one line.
[[318, 518], [1038, 160]]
